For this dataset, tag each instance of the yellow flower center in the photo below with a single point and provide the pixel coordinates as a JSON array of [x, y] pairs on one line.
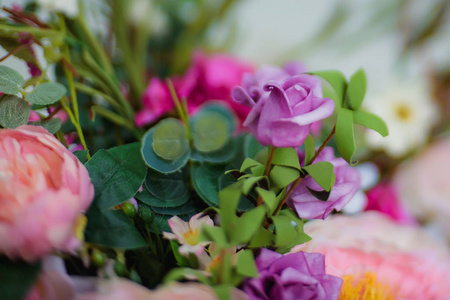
[[366, 287], [191, 237], [403, 112]]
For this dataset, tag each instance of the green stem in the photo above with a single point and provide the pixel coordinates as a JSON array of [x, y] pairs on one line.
[[181, 108], [259, 200], [322, 146], [93, 92], [77, 126]]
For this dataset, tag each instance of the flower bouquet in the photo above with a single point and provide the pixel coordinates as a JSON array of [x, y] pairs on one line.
[[135, 166]]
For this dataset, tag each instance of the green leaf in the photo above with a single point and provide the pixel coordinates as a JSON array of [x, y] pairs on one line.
[[186, 209], [112, 228], [169, 140], [46, 93], [210, 132], [205, 180], [229, 199], [182, 261], [310, 149], [81, 155], [269, 198], [224, 155], [117, 174], [337, 80], [186, 273], [345, 136], [356, 89], [148, 198], [370, 121], [173, 188], [53, 125], [223, 291], [323, 174], [156, 162], [13, 112], [248, 183], [289, 231], [262, 238], [246, 264], [281, 176], [215, 234], [247, 225], [17, 278], [10, 81], [248, 163], [11, 44], [286, 157], [252, 148]]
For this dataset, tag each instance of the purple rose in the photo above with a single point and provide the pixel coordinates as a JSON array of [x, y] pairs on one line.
[[297, 275], [347, 184]]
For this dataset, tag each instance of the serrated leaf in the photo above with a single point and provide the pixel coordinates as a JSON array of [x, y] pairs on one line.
[[356, 89], [117, 174], [345, 136], [173, 188], [286, 157], [157, 163], [281, 176], [46, 93], [169, 140], [13, 112], [310, 149], [10, 81], [322, 172], [337, 81], [370, 121]]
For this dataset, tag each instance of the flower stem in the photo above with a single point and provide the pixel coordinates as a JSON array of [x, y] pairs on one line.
[[322, 146], [288, 194], [180, 107]]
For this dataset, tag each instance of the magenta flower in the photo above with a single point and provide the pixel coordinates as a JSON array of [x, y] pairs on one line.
[[209, 78], [347, 184], [284, 117], [297, 275]]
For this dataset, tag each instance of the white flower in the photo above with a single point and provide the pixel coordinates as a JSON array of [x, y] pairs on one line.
[[67, 7], [409, 113], [187, 234]]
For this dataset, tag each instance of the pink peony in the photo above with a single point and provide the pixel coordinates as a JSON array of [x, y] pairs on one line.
[[346, 185], [384, 198], [43, 191], [209, 78], [424, 186], [370, 251]]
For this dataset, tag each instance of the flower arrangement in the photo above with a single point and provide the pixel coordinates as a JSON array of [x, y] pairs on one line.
[[146, 168]]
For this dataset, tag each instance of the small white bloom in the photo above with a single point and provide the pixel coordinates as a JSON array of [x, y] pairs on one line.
[[409, 113], [67, 7]]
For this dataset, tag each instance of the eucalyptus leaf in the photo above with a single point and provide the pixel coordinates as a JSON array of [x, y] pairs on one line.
[[345, 136], [370, 121], [117, 174], [337, 80], [356, 89], [224, 155], [322, 172], [10, 81], [210, 132], [13, 112], [46, 93], [169, 140]]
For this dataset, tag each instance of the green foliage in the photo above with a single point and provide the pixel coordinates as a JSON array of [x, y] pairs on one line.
[[224, 155], [370, 121], [13, 112], [10, 81], [356, 89], [46, 93], [286, 157], [338, 82], [53, 125], [309, 149], [281, 176], [246, 264], [289, 231], [171, 189], [169, 140], [210, 132], [81, 155], [345, 136], [16, 278], [323, 174]]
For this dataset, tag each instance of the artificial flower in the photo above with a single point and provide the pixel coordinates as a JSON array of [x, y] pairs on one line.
[[44, 189], [298, 275], [346, 185], [209, 78], [409, 113], [423, 186], [384, 198], [285, 116], [372, 252], [187, 233]]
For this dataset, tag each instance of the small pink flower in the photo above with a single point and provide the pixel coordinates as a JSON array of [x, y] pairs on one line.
[[44, 189], [187, 233]]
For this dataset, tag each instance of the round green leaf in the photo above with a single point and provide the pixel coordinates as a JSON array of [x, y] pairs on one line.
[[224, 155], [14, 112], [10, 80], [156, 162], [169, 139], [211, 132], [46, 93]]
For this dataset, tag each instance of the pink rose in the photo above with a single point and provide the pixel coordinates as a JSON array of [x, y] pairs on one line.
[[383, 198], [209, 78], [373, 252], [345, 187], [44, 189], [424, 186], [284, 117]]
